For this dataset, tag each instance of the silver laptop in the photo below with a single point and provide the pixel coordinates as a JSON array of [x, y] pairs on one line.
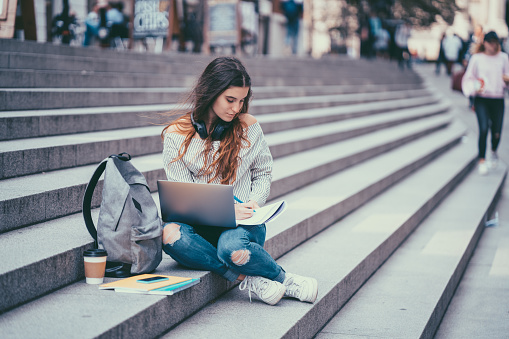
[[197, 204]]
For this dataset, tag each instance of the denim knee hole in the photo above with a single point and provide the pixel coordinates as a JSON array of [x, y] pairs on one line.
[[171, 233], [240, 257]]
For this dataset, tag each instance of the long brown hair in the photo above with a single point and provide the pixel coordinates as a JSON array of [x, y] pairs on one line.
[[220, 74]]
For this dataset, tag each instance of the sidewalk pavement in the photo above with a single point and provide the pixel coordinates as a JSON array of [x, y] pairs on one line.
[[479, 308]]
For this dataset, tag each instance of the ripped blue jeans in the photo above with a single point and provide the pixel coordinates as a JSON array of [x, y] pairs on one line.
[[226, 252]]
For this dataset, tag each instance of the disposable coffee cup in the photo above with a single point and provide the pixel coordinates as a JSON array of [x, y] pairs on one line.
[[95, 265]]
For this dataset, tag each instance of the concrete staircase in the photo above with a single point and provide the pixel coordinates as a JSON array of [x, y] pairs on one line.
[[376, 169]]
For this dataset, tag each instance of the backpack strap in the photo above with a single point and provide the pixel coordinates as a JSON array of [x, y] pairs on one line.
[[89, 192]]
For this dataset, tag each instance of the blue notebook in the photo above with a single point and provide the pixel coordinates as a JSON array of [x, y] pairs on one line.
[[172, 289]]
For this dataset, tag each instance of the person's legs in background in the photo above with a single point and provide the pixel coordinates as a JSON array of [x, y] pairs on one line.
[[401, 58], [496, 115], [448, 66], [90, 33], [292, 35], [481, 111]]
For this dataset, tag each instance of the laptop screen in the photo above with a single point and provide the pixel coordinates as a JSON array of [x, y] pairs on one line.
[[197, 204]]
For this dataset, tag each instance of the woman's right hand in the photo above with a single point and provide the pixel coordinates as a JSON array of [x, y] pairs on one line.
[[479, 85], [243, 211]]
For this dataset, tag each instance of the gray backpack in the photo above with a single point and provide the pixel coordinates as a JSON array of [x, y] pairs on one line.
[[129, 227]]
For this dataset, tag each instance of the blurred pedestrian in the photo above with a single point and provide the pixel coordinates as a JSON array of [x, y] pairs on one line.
[[91, 25], [382, 41], [486, 78], [375, 25], [441, 56], [452, 46], [292, 9], [403, 32], [476, 38]]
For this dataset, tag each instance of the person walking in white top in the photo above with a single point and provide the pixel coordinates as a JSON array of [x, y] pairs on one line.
[[486, 79], [217, 141]]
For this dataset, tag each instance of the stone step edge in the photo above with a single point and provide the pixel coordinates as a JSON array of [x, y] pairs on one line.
[[377, 90], [30, 78], [34, 100]]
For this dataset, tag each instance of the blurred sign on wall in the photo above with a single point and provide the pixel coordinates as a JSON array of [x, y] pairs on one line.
[[7, 18], [151, 18], [223, 28]]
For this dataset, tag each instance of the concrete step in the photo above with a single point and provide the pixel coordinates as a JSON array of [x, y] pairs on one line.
[[25, 197], [17, 99], [35, 61], [11, 45], [341, 258], [290, 173], [30, 156], [12, 99], [29, 78], [312, 208], [431, 261]]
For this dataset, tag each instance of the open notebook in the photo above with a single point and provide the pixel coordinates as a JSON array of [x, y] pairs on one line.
[[265, 214]]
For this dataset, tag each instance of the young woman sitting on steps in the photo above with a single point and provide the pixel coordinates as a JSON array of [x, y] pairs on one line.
[[218, 142]]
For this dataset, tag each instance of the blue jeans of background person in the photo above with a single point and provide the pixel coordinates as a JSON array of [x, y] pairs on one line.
[[292, 34], [211, 249], [490, 114], [404, 57], [91, 32]]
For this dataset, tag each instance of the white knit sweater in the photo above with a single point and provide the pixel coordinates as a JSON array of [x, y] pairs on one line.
[[254, 174]]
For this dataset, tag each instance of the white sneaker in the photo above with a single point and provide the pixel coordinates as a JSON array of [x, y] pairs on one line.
[[269, 291], [493, 160], [482, 168], [302, 288]]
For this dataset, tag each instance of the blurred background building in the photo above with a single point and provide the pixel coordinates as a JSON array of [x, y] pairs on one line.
[[260, 26]]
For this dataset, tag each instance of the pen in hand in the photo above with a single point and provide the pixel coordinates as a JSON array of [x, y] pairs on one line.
[[240, 201]]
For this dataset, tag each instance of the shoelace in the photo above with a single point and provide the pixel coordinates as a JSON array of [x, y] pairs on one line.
[[257, 288], [293, 289]]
